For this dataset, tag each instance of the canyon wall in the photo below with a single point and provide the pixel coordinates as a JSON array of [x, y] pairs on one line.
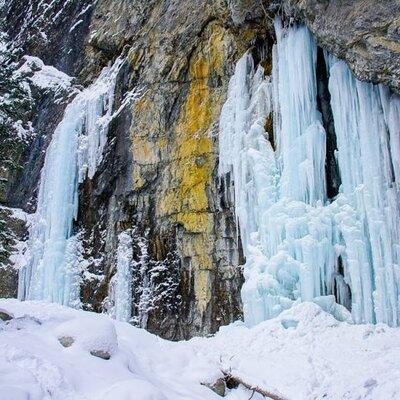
[[158, 179]]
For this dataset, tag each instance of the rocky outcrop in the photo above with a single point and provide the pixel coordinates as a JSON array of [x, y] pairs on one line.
[[55, 31], [167, 190], [13, 231], [365, 33]]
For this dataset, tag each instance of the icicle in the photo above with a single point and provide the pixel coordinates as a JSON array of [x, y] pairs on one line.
[[123, 278], [287, 235], [98, 102], [244, 148], [75, 149], [142, 275], [301, 142]]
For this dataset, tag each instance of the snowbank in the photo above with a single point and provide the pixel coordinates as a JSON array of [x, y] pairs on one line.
[[304, 354], [91, 334]]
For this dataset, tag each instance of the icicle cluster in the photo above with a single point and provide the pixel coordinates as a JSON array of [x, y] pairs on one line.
[[299, 245], [367, 128], [75, 151]]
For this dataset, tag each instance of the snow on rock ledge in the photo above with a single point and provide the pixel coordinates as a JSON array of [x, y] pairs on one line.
[[44, 76]]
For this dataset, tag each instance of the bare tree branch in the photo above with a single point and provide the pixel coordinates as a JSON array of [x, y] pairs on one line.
[[264, 392]]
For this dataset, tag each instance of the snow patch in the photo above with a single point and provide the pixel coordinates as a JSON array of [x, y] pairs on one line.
[[44, 76]]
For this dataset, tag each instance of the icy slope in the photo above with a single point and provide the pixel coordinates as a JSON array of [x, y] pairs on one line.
[[304, 354]]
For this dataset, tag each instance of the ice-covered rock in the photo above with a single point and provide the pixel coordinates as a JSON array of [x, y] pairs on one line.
[[21, 323], [5, 315], [44, 76]]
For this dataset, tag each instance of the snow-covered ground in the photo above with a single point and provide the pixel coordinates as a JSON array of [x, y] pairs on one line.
[[302, 354]]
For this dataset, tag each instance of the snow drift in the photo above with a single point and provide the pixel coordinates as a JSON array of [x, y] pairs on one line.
[[303, 354]]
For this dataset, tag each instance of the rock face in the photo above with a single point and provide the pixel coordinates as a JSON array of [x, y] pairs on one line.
[[158, 177], [166, 188], [41, 29], [365, 33], [12, 231], [54, 31]]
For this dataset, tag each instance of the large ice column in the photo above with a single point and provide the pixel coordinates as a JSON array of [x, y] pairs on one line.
[[245, 151], [248, 157], [366, 121], [288, 237], [123, 278], [300, 136], [74, 151]]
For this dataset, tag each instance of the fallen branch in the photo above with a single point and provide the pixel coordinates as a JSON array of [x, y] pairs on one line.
[[264, 392]]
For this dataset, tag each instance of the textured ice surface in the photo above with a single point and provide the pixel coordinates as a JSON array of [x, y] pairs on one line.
[[367, 126], [74, 152], [299, 245], [122, 295]]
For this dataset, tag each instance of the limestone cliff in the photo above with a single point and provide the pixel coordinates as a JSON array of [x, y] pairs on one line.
[[181, 58]]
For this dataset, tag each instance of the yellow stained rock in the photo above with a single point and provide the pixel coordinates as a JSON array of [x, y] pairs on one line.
[[143, 151], [196, 161], [138, 181], [189, 157], [196, 222], [202, 289]]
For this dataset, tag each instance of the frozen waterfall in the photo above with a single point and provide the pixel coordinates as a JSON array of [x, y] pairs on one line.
[[74, 152], [299, 244], [367, 127]]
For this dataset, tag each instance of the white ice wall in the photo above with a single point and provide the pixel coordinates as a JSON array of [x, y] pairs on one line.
[[296, 241], [367, 128]]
